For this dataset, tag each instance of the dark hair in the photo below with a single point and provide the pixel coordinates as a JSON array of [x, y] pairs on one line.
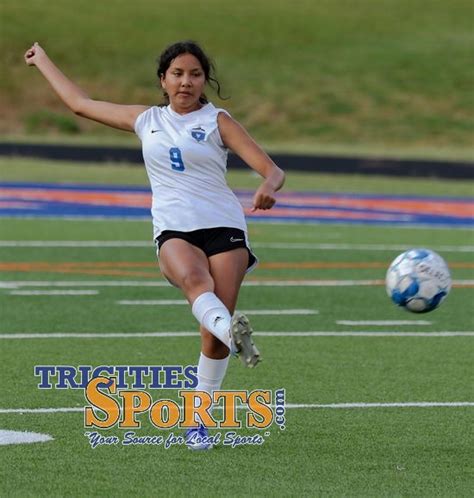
[[189, 47]]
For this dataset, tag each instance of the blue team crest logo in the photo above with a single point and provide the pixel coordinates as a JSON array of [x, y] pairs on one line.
[[198, 134]]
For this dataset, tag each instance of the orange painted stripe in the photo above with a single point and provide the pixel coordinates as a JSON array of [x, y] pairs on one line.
[[341, 265], [322, 213], [316, 204], [123, 265], [98, 198], [440, 207], [319, 265]]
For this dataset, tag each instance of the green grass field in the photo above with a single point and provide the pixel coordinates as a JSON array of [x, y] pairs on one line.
[[34, 170], [369, 451], [390, 76]]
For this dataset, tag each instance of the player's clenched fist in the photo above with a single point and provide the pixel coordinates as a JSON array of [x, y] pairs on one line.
[[263, 198], [33, 54]]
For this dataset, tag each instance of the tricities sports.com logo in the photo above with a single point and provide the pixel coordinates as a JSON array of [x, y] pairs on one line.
[[118, 397]]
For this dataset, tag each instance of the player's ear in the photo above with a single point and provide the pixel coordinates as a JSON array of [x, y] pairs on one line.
[[162, 82]]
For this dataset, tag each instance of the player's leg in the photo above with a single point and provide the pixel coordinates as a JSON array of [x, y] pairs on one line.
[[187, 267], [228, 270]]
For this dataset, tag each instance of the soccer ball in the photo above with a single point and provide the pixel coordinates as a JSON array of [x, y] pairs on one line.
[[418, 280]]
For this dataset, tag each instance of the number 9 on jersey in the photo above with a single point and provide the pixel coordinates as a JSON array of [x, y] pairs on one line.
[[176, 159]]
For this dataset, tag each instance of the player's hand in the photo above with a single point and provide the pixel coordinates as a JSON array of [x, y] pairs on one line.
[[34, 54], [263, 198]]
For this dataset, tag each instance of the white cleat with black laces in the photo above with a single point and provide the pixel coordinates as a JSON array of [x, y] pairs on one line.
[[241, 333]]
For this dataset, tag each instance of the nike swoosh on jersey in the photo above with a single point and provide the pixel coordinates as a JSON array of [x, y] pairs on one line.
[[155, 131]]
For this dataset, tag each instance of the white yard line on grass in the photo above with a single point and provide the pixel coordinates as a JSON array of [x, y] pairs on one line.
[[154, 302], [281, 312], [12, 284], [22, 437], [291, 406], [76, 243], [382, 322], [421, 404], [137, 335], [263, 245], [41, 410], [167, 302], [355, 247], [15, 284], [54, 293]]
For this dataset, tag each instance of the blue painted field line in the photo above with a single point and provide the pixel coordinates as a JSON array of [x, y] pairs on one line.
[[46, 200]]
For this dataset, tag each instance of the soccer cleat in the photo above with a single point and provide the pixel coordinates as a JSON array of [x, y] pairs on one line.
[[241, 333], [198, 438]]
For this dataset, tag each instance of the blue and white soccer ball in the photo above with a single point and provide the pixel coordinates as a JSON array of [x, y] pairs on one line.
[[418, 280]]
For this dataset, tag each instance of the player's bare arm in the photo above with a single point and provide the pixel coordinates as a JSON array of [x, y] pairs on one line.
[[236, 138], [114, 115]]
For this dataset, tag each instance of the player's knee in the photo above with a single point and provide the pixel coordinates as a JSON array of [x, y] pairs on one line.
[[196, 278]]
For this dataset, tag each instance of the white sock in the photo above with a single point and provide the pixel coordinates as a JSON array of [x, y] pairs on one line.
[[212, 314], [211, 373]]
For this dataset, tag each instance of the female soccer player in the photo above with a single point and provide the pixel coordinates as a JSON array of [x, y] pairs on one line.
[[199, 225]]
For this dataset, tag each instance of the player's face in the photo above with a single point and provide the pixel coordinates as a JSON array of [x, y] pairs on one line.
[[184, 82]]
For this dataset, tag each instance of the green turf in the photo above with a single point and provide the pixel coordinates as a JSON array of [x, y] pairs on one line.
[[388, 74], [322, 452], [365, 452], [21, 169]]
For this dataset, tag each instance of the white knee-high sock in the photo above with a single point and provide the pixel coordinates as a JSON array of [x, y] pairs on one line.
[[211, 373], [212, 314]]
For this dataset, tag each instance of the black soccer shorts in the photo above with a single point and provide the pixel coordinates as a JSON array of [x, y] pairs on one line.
[[211, 241]]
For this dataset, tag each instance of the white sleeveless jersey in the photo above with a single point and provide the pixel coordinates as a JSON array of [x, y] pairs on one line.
[[186, 163]]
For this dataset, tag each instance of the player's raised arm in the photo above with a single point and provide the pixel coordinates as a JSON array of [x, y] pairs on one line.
[[236, 138], [115, 115]]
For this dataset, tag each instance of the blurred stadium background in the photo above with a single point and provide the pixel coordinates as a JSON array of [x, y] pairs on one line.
[[386, 77]]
